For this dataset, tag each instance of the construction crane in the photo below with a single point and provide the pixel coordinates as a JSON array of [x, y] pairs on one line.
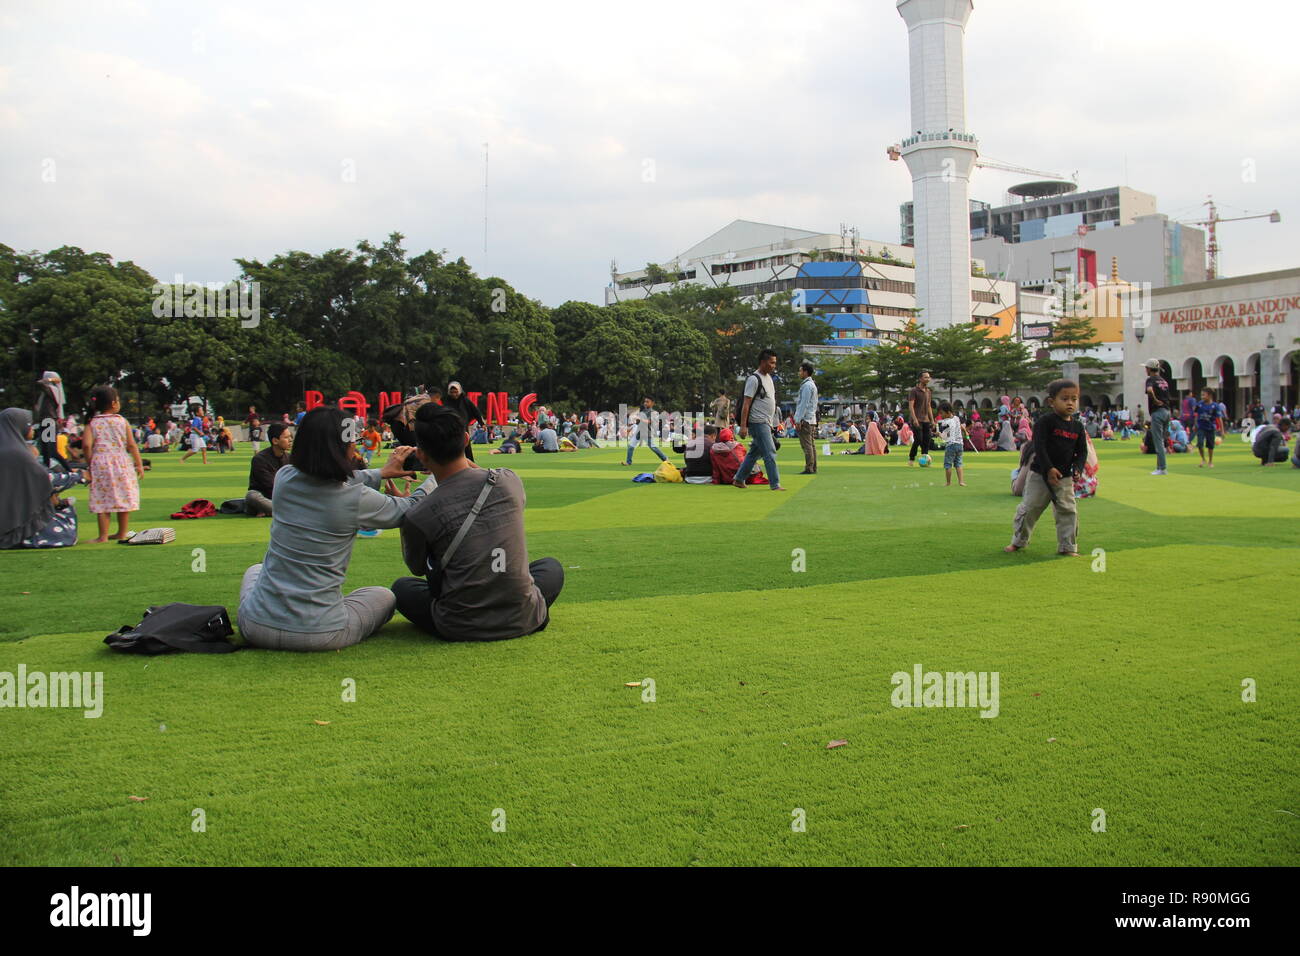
[[895, 152], [1212, 248], [990, 163]]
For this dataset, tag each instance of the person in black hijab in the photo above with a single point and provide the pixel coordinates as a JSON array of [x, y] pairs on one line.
[[457, 400], [29, 517]]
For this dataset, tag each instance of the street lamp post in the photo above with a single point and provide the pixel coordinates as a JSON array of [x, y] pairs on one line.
[[500, 353]]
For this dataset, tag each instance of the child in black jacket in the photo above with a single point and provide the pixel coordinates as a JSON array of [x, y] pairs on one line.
[[1060, 451]]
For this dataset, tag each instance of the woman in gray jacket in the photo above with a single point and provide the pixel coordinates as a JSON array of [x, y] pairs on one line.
[[293, 600]]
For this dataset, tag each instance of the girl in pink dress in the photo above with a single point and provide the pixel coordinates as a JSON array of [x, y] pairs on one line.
[[113, 463]]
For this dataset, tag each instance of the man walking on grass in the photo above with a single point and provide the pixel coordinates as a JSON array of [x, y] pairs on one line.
[[921, 417], [805, 417], [758, 414], [1158, 404], [641, 430]]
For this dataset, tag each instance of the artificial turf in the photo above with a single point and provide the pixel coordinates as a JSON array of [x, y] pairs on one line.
[[1120, 689]]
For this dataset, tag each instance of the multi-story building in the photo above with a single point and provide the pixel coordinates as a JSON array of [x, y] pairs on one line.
[[1048, 209], [1151, 249], [865, 289]]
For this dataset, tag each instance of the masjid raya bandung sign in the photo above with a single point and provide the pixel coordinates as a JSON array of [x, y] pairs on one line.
[[1230, 315]]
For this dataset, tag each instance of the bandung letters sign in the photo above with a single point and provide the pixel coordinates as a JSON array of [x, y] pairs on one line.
[[1230, 315], [497, 413]]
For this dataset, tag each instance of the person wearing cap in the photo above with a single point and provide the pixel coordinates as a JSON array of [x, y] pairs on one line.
[[1158, 405], [458, 401]]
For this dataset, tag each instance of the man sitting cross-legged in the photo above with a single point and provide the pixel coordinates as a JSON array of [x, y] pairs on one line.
[[466, 543], [261, 472]]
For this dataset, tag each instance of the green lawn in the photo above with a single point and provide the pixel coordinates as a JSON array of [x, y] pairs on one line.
[[1119, 689]]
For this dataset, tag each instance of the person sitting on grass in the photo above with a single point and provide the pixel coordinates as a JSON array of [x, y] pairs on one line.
[[262, 471], [293, 600], [697, 469], [32, 515], [1179, 441], [1270, 442], [725, 457], [547, 441], [465, 542], [1060, 452]]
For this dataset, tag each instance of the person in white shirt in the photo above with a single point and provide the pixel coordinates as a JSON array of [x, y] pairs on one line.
[[951, 429], [805, 418]]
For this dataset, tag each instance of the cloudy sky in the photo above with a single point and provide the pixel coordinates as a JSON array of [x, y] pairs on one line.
[[181, 135]]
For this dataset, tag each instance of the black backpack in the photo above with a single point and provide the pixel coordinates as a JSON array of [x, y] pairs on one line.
[[759, 392], [176, 627]]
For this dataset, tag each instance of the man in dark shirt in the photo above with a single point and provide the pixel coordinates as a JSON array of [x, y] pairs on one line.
[[1060, 452], [699, 461], [1158, 405], [466, 542], [261, 473], [922, 417]]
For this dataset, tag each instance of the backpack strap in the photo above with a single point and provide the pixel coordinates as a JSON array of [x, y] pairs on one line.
[[469, 518]]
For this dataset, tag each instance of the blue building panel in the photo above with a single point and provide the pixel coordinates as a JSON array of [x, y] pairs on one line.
[[850, 320], [834, 297], [833, 270]]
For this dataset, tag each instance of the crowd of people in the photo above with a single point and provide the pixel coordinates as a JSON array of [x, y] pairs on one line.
[[315, 476]]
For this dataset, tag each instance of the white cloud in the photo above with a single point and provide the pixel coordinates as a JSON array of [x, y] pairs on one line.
[[188, 135]]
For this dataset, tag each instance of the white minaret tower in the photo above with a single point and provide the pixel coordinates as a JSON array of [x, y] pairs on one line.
[[940, 154]]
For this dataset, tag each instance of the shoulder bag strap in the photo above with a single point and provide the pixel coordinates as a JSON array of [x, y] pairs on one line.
[[469, 518]]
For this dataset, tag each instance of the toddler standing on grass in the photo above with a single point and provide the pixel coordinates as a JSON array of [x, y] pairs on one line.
[[1060, 452], [370, 441], [950, 428], [110, 453]]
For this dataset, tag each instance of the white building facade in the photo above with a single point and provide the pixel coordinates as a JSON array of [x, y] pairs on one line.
[[865, 289], [1237, 335]]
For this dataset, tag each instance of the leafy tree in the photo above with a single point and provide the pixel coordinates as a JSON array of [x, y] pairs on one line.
[[890, 369], [1003, 367], [1075, 334], [82, 323], [953, 354]]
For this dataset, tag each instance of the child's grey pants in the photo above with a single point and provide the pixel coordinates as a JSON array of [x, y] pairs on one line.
[[1037, 497]]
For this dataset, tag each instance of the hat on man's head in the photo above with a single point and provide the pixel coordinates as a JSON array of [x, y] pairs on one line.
[[1152, 363], [726, 435]]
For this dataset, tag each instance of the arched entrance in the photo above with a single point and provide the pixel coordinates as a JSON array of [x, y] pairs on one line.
[[1167, 372], [1196, 376], [1291, 372], [1228, 387]]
